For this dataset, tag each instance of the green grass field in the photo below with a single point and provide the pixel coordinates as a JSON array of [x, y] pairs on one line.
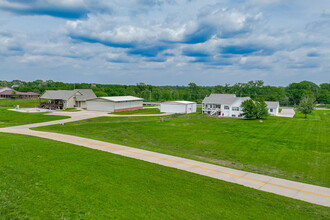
[[138, 112], [291, 148], [44, 179], [12, 118], [23, 103]]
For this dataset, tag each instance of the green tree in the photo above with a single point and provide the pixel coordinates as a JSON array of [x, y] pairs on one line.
[[323, 97], [325, 86], [261, 108], [100, 93], [306, 105], [295, 91], [194, 91], [249, 109], [254, 109]]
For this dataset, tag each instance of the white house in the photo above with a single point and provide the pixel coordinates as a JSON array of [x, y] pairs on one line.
[[273, 108], [183, 107], [115, 103], [62, 99], [228, 105]]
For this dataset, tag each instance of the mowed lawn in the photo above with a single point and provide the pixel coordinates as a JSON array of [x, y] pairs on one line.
[[12, 118], [21, 102], [44, 179], [291, 148]]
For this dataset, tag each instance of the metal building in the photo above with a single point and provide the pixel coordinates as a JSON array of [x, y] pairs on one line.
[[115, 103], [183, 107]]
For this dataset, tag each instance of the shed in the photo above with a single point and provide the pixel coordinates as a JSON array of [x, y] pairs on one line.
[[178, 107], [115, 103]]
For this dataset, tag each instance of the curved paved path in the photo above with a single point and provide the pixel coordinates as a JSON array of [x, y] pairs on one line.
[[301, 191]]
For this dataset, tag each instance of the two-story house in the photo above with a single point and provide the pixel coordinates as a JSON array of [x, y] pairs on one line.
[[228, 105]]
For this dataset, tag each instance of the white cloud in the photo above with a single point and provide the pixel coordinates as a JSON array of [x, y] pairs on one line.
[[182, 39]]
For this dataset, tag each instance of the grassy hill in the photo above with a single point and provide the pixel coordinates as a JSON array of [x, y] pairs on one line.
[[291, 148], [44, 179], [12, 118]]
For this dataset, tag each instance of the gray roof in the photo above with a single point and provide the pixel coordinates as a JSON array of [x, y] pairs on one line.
[[84, 94], [119, 98], [231, 98], [273, 104], [222, 99], [179, 102]]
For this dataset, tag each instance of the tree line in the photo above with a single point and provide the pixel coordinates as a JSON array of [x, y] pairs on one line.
[[287, 96]]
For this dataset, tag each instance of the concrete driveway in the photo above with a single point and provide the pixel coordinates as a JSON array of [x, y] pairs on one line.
[[287, 112]]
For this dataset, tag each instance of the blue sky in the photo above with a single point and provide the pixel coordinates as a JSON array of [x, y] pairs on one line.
[[165, 42]]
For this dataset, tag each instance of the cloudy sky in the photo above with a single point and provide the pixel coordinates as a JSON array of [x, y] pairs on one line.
[[165, 42]]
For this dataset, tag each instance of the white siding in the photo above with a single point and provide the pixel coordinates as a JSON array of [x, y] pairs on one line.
[[274, 113], [100, 105], [128, 104], [110, 106], [177, 108]]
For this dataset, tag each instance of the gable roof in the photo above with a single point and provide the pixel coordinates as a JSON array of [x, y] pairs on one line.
[[273, 104], [83, 94], [57, 94], [220, 99]]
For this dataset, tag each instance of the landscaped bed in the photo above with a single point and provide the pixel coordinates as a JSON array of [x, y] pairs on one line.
[[291, 148], [44, 179]]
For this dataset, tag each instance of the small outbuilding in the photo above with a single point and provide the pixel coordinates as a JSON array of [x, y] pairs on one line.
[[182, 107], [115, 103], [273, 108]]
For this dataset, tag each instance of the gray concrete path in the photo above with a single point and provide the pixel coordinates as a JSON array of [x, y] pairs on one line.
[[80, 115], [296, 190], [287, 112]]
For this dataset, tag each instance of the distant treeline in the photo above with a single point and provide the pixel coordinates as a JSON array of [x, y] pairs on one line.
[[287, 96]]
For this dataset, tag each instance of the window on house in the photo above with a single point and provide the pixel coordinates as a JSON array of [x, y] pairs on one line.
[[233, 115], [235, 108], [226, 107], [218, 106], [271, 110]]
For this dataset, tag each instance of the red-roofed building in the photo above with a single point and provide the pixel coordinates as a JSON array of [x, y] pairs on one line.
[[8, 93]]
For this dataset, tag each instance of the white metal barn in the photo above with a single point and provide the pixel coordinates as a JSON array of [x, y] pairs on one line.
[[115, 103], [178, 107]]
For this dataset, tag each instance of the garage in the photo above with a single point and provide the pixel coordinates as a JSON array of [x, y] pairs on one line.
[[182, 107], [115, 103]]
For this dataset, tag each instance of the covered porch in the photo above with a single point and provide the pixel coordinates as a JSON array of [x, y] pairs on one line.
[[54, 104]]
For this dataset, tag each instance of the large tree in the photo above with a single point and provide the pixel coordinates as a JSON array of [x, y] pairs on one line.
[[295, 91], [306, 105], [254, 109], [324, 96]]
